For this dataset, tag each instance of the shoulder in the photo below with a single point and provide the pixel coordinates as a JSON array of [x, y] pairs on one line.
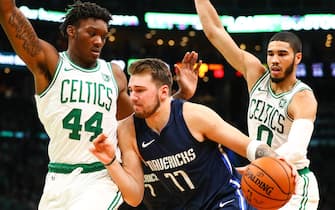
[[300, 99], [200, 120], [305, 96], [126, 123], [119, 75], [198, 113]]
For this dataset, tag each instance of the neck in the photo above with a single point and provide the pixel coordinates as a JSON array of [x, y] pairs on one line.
[[78, 61], [283, 86]]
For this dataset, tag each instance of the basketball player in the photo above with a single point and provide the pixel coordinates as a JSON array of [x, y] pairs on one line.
[[282, 109], [177, 142], [78, 96]]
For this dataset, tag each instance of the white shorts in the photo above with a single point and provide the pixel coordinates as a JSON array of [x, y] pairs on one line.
[[307, 192], [80, 190]]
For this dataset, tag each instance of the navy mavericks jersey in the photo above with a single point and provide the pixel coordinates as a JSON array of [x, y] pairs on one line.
[[182, 173]]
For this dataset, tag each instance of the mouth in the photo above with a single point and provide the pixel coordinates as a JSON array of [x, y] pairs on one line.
[[275, 70], [136, 106], [96, 53]]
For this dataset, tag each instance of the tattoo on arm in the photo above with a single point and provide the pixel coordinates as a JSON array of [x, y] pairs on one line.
[[264, 150], [26, 33]]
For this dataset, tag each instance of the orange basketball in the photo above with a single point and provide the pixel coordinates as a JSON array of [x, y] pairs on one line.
[[268, 183]]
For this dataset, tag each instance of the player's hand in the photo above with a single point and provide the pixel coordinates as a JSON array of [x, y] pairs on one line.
[[241, 170], [293, 169], [187, 75], [102, 149]]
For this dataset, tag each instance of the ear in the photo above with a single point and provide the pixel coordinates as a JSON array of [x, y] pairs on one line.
[[164, 92], [298, 57], [70, 30]]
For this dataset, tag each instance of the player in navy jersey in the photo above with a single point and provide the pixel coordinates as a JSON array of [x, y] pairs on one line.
[[177, 144]]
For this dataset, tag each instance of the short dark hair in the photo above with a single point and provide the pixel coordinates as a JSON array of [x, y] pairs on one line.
[[290, 38], [83, 10], [158, 69]]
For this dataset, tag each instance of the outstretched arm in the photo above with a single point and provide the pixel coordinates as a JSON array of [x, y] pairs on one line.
[[187, 75], [214, 128], [302, 127], [40, 56], [128, 175], [242, 61]]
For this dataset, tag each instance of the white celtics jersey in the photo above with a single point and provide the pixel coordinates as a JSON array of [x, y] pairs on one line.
[[268, 118], [78, 105]]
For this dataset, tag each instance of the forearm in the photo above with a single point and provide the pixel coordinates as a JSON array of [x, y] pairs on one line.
[[298, 140], [132, 190], [219, 37], [208, 17]]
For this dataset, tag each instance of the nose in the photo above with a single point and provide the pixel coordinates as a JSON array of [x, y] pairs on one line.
[[274, 59], [99, 41], [133, 96]]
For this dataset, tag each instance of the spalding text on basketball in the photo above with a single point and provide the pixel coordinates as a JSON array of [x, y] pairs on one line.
[[263, 186]]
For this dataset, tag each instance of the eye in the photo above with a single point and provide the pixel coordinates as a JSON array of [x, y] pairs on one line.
[[282, 53], [91, 33], [270, 53]]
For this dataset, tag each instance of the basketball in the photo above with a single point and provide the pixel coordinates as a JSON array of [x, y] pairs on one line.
[[268, 183]]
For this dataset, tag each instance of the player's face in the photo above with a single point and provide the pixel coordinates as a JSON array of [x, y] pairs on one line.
[[87, 40], [281, 60], [144, 95]]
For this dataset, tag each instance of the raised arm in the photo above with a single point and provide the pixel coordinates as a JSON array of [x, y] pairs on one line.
[[128, 175], [242, 61], [40, 57]]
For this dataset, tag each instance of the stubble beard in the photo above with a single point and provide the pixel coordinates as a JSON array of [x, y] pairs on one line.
[[287, 73], [147, 113]]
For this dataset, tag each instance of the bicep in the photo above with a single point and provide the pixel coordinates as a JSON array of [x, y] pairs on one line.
[[308, 112], [229, 136], [214, 128]]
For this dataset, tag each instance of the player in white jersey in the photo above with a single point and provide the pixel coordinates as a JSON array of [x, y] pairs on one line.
[[282, 110], [78, 96], [78, 104]]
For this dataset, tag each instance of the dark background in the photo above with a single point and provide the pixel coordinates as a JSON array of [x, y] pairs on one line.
[[23, 157]]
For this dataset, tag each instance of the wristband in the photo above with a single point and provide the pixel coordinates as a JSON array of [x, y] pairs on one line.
[[111, 162], [251, 149]]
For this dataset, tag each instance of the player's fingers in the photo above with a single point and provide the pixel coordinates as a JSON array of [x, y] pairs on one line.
[[197, 67], [186, 57], [100, 138], [176, 69], [241, 170], [194, 56], [93, 150], [294, 171]]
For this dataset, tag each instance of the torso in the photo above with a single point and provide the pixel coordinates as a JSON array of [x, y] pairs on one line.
[[78, 105], [179, 171], [268, 118]]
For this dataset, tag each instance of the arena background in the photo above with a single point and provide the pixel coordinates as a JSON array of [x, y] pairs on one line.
[[23, 143]]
